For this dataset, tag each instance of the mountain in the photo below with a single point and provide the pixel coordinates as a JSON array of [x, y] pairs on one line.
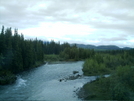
[[127, 48], [102, 47], [86, 46], [108, 47]]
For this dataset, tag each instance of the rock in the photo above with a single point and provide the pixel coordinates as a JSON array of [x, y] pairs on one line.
[[74, 72], [61, 80], [73, 77]]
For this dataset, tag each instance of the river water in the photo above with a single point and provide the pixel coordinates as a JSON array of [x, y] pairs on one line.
[[43, 83]]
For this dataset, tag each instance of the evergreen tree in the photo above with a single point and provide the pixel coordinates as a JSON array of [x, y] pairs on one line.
[[2, 41]]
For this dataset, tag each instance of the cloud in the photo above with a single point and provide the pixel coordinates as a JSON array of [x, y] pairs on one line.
[[114, 39], [82, 20], [59, 30], [76, 11], [20, 14]]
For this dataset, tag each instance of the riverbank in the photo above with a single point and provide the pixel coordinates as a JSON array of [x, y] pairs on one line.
[[56, 59], [119, 86], [7, 77]]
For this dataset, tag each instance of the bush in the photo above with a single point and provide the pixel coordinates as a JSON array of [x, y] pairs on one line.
[[51, 57], [6, 77], [92, 67], [119, 86]]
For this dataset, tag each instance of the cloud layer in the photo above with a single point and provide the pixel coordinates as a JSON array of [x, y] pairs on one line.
[[83, 21]]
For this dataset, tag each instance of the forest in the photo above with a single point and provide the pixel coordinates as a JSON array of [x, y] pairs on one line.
[[18, 54]]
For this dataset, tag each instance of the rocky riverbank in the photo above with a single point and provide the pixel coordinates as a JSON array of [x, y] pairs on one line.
[[74, 76]]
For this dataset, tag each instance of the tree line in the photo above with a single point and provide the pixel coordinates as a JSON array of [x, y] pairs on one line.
[[18, 54]]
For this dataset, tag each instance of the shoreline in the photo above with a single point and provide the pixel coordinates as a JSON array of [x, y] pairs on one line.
[[82, 94], [59, 62], [7, 77]]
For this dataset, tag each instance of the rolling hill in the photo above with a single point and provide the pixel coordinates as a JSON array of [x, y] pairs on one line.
[[102, 47]]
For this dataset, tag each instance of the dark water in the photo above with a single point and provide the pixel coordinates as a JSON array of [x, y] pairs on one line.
[[43, 83]]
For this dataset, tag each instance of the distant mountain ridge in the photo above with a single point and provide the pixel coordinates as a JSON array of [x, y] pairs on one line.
[[102, 47]]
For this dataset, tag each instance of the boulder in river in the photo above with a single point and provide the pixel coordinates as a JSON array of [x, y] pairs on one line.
[[73, 77], [74, 72]]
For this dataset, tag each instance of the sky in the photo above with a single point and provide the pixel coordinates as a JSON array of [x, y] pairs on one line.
[[94, 22]]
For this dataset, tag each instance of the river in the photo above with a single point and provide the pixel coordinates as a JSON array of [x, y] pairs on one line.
[[43, 83]]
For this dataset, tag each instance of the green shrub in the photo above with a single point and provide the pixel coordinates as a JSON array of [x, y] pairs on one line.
[[119, 86], [51, 57], [92, 67]]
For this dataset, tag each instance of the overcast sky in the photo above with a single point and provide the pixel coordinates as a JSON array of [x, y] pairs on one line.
[[96, 22]]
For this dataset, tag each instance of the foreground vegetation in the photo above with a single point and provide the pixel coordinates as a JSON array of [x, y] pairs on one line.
[[119, 86]]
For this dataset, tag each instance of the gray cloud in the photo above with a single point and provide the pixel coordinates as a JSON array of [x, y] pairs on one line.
[[114, 39], [106, 15], [65, 10]]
